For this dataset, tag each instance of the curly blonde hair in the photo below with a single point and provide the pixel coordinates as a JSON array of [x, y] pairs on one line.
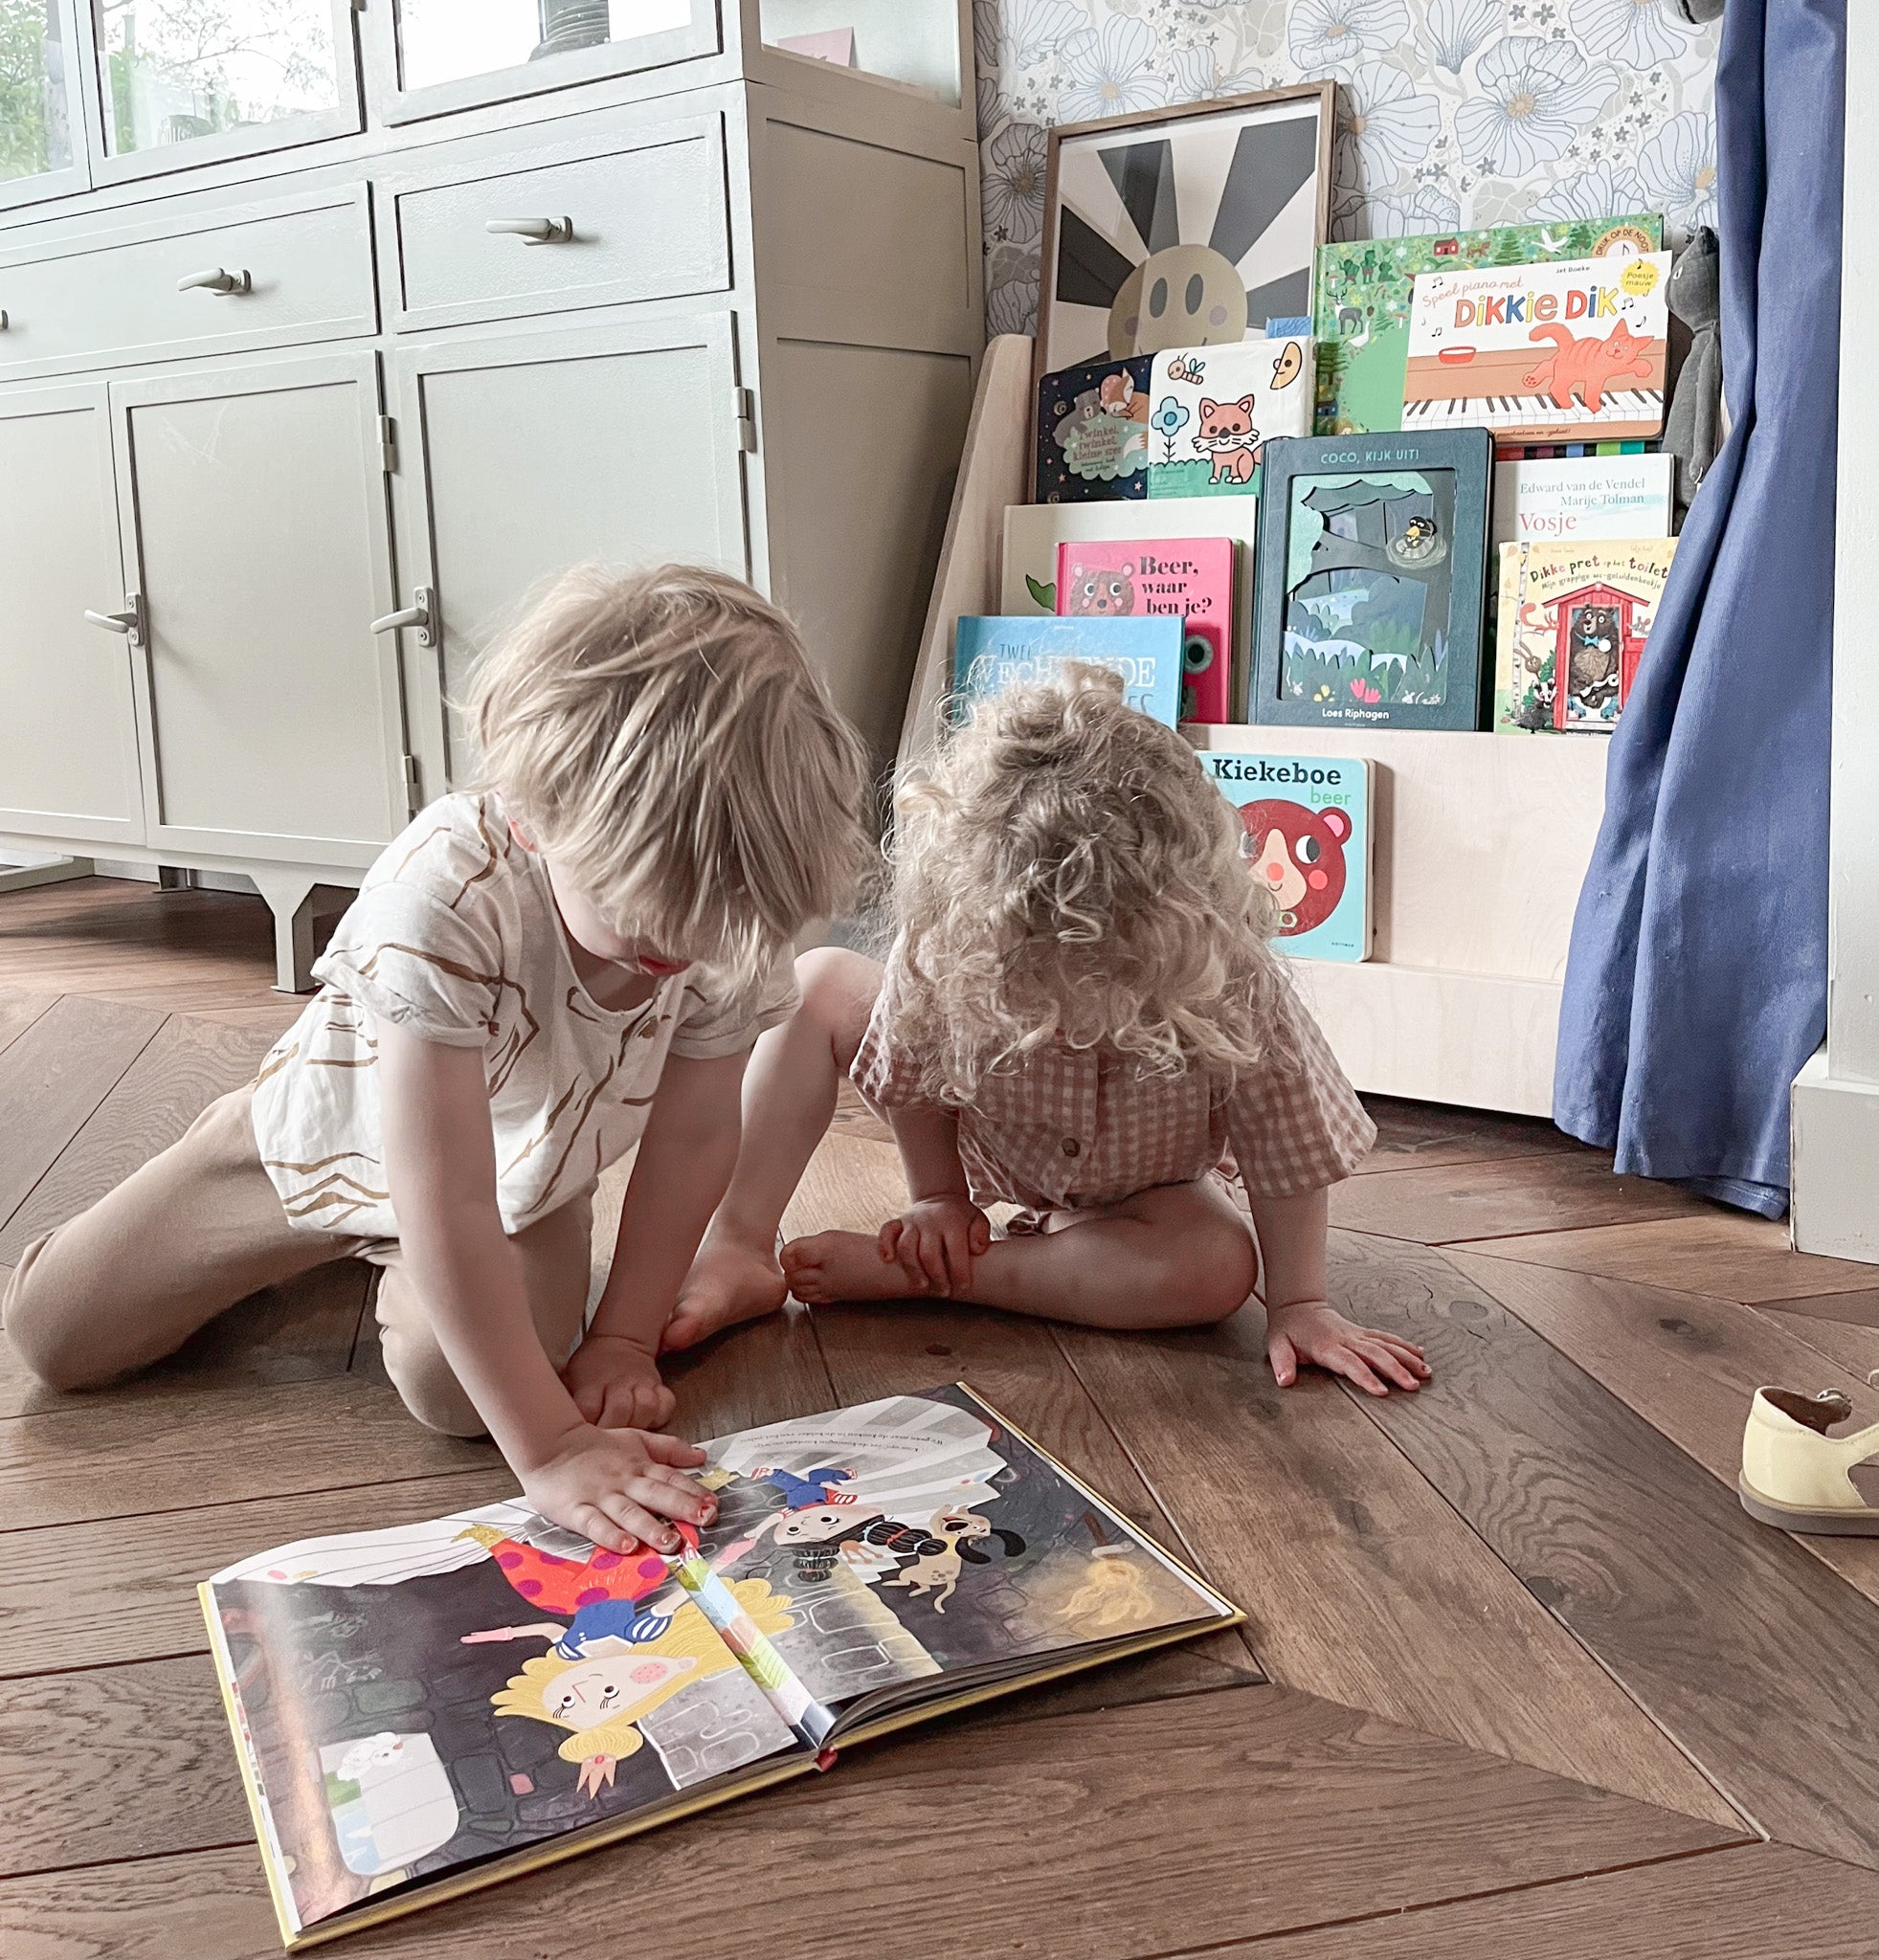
[[663, 736], [1066, 871]]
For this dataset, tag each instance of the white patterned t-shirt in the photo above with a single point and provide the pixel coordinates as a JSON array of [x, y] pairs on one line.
[[456, 937]]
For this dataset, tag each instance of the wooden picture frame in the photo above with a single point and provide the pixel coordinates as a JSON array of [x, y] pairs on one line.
[[1144, 186]]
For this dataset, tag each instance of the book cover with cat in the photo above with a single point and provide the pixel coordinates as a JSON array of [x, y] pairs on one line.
[[1211, 410], [1364, 287], [1092, 431], [1583, 610], [1188, 579], [1307, 840], [1568, 352], [990, 651]]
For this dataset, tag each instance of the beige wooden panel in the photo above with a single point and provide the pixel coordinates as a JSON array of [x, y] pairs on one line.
[[1483, 840], [861, 448], [646, 205], [262, 550], [541, 451], [862, 244], [916, 44], [68, 732], [78, 297]]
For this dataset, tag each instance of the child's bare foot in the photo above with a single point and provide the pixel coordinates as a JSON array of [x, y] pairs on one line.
[[842, 1266], [728, 1282]]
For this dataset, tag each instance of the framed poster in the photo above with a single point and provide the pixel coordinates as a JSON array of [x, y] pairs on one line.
[[1183, 226]]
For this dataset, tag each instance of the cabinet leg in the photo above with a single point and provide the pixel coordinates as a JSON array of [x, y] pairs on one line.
[[21, 878], [290, 899]]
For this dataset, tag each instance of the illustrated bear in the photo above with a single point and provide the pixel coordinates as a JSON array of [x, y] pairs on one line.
[[1298, 854], [1227, 430], [1102, 593]]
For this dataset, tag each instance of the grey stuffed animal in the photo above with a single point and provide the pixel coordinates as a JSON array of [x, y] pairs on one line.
[[1692, 429]]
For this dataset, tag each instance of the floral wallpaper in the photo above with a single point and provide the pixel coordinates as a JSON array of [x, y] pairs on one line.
[[1451, 113]]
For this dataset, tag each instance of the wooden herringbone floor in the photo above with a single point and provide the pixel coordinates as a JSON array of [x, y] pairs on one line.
[[1519, 1675]]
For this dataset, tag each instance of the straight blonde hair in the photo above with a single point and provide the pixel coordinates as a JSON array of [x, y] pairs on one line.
[[1066, 872], [662, 738]]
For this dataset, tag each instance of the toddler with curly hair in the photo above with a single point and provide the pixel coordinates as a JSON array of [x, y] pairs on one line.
[[1081, 1016]]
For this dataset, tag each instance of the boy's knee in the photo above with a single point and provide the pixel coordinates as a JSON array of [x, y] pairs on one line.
[[428, 1386], [834, 976], [49, 1333]]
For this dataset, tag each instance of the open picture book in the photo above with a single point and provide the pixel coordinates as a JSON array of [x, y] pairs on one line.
[[425, 1710]]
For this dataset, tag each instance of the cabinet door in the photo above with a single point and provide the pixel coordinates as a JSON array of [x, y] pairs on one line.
[[254, 526], [524, 454], [68, 729]]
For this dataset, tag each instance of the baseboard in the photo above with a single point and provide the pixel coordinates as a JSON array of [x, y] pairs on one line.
[[146, 874], [1834, 1199]]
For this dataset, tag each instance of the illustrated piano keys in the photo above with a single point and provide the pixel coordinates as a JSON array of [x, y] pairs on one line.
[[1500, 411]]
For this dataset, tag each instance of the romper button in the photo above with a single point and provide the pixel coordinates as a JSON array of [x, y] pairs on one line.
[[1071, 1147]]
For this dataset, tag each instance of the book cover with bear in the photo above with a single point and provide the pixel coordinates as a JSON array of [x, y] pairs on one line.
[[1188, 579], [1211, 410], [1307, 840]]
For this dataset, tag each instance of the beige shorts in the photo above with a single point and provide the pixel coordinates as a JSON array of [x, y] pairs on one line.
[[201, 1227]]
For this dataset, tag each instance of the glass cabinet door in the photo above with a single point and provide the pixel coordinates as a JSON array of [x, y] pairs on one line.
[[182, 81], [447, 54], [42, 147]]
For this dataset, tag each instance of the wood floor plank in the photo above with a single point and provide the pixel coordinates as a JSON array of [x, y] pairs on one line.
[[1752, 1902], [91, 1596], [296, 1332], [1499, 1198], [1700, 1612], [1419, 1135], [1854, 1347], [160, 1728], [1729, 1254], [1687, 1364], [54, 1075], [188, 1064], [18, 1010], [78, 1463], [1354, 1572], [754, 1375], [1856, 1309], [1079, 1832]]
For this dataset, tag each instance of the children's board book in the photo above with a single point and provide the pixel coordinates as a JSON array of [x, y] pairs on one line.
[[1188, 579], [1364, 288], [1581, 610], [1581, 496], [1373, 560], [1211, 410], [1568, 352], [1093, 432], [427, 1709], [990, 653], [1307, 841], [1027, 581]]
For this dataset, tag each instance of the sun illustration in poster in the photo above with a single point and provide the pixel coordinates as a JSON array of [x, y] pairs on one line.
[[1184, 232]]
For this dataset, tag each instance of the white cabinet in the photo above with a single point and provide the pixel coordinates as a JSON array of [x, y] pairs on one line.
[[68, 732], [482, 289], [611, 443], [255, 534]]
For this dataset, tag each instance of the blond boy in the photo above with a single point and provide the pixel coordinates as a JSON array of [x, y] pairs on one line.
[[535, 977]]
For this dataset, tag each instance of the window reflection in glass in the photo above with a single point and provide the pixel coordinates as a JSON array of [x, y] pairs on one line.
[[178, 70], [35, 130], [446, 40]]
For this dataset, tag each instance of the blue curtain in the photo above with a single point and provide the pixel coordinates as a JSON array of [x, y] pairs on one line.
[[1696, 985]]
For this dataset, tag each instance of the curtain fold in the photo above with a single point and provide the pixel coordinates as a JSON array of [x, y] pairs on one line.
[[1696, 983]]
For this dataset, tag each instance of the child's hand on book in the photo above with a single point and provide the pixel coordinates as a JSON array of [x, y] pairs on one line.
[[935, 1241], [620, 1487], [1314, 1330], [616, 1384]]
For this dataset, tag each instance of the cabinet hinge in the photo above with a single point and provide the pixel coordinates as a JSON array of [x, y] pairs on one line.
[[744, 406], [413, 790], [388, 445]]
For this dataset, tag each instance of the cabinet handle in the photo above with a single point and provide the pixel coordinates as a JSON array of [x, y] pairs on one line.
[[217, 280], [419, 614], [5, 320], [130, 622], [533, 230]]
